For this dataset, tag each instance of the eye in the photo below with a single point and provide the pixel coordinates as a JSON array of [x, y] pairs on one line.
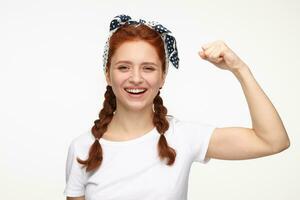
[[149, 68], [121, 67]]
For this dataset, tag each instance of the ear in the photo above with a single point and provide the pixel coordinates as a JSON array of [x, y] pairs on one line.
[[163, 80], [107, 77]]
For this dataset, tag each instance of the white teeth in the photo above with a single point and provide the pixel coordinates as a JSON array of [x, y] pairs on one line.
[[135, 90]]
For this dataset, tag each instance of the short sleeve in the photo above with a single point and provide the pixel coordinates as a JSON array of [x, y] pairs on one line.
[[198, 135], [74, 174]]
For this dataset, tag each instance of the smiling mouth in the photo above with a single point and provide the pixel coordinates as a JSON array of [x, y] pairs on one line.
[[135, 92]]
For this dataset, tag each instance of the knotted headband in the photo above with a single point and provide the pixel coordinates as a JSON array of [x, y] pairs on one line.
[[166, 35]]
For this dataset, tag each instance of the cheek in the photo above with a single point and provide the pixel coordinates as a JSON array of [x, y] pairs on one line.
[[118, 79], [154, 80], [154, 83]]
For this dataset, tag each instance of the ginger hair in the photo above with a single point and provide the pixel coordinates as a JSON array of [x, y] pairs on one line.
[[124, 34]]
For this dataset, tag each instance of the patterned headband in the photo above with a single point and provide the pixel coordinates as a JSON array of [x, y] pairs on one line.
[[169, 41]]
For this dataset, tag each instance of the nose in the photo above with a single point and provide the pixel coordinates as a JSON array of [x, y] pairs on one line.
[[136, 77]]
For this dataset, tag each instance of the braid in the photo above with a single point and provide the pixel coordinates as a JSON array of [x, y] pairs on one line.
[[162, 125], [100, 126]]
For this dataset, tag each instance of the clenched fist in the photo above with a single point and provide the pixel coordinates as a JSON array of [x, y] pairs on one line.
[[219, 54]]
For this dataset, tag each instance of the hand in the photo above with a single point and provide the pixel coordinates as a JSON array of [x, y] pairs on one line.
[[219, 54]]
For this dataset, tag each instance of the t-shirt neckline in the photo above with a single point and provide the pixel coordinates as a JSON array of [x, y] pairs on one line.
[[130, 141]]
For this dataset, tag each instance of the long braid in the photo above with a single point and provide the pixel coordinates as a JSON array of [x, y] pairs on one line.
[[100, 126], [162, 125]]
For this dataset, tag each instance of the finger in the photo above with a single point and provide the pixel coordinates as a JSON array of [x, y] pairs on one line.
[[202, 55], [218, 60], [209, 51], [215, 54]]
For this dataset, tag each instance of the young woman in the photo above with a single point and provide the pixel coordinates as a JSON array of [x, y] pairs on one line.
[[135, 150]]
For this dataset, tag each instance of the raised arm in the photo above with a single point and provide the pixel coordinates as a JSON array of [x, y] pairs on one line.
[[267, 135]]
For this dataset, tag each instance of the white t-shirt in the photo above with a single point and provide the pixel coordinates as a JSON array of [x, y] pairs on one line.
[[132, 170]]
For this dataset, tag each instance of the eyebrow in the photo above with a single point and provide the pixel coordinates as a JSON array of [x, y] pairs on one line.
[[129, 62]]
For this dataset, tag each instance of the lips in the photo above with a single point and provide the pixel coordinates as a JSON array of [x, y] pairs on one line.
[[139, 88], [135, 94]]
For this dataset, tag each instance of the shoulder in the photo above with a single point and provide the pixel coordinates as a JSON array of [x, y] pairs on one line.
[[81, 143], [178, 124], [189, 131]]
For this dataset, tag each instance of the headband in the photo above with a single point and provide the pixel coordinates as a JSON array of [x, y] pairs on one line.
[[166, 35]]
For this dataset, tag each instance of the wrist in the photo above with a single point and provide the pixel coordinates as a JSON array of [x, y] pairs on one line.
[[240, 70]]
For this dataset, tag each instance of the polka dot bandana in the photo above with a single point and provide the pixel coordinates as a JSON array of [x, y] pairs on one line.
[[169, 41]]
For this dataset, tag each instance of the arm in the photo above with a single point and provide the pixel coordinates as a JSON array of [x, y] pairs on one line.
[[266, 122], [267, 135]]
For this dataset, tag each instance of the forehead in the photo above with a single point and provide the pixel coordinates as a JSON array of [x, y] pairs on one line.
[[136, 51]]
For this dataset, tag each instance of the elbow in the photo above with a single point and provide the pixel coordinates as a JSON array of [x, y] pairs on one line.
[[288, 144], [281, 147]]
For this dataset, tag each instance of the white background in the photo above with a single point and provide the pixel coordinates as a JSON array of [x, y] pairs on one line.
[[52, 87]]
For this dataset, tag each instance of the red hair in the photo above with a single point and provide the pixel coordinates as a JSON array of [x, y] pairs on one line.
[[124, 34]]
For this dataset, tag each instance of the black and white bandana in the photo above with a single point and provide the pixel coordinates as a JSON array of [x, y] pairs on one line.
[[166, 35]]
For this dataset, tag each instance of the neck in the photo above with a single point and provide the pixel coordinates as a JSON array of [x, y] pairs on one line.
[[132, 123]]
